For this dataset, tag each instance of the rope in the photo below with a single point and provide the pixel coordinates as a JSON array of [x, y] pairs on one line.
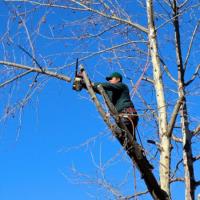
[[139, 137]]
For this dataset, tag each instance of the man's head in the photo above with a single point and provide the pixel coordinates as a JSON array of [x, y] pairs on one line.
[[114, 78]]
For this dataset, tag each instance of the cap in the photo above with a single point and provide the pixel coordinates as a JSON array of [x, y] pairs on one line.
[[114, 74]]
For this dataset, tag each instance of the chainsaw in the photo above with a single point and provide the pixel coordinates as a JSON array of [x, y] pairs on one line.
[[78, 80]]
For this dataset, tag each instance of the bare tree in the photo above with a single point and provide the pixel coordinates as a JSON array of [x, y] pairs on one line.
[[153, 43]]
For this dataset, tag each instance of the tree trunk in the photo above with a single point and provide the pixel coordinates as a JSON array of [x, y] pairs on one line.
[[187, 135], [162, 113]]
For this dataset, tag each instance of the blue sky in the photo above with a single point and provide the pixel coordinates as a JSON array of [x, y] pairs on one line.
[[39, 151]]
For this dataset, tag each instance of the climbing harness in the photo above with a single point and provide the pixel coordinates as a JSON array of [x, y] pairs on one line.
[[131, 115]]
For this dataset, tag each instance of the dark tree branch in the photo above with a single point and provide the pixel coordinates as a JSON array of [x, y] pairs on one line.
[[174, 116], [157, 144], [196, 73], [196, 158], [31, 56], [197, 183], [176, 168]]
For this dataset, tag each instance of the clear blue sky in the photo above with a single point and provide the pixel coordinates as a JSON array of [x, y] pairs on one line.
[[36, 162]]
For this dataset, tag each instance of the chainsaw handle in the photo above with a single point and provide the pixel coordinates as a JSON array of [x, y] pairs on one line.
[[76, 70]]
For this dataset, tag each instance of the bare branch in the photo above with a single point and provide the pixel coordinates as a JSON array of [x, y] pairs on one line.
[[45, 4], [99, 181], [29, 39], [113, 17], [168, 2], [196, 130], [191, 43], [86, 36], [21, 104], [96, 101], [102, 31], [184, 3], [31, 56], [177, 15], [176, 139], [148, 107], [135, 195], [197, 183], [196, 158], [148, 79], [106, 50], [176, 168], [38, 70], [196, 73], [157, 144], [15, 78], [180, 179], [84, 7], [167, 71], [174, 115]]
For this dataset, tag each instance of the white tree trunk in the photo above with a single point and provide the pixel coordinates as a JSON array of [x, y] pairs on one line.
[[162, 113]]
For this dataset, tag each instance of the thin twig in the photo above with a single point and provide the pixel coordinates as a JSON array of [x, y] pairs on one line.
[[167, 71], [191, 43], [135, 195], [15, 78], [196, 130]]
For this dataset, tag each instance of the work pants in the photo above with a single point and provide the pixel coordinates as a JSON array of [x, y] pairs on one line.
[[130, 119]]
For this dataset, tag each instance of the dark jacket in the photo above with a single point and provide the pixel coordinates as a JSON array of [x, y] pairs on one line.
[[118, 94]]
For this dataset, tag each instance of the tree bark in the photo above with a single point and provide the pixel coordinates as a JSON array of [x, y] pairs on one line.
[[161, 104]]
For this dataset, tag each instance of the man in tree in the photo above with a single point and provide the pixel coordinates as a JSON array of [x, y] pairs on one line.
[[118, 93]]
